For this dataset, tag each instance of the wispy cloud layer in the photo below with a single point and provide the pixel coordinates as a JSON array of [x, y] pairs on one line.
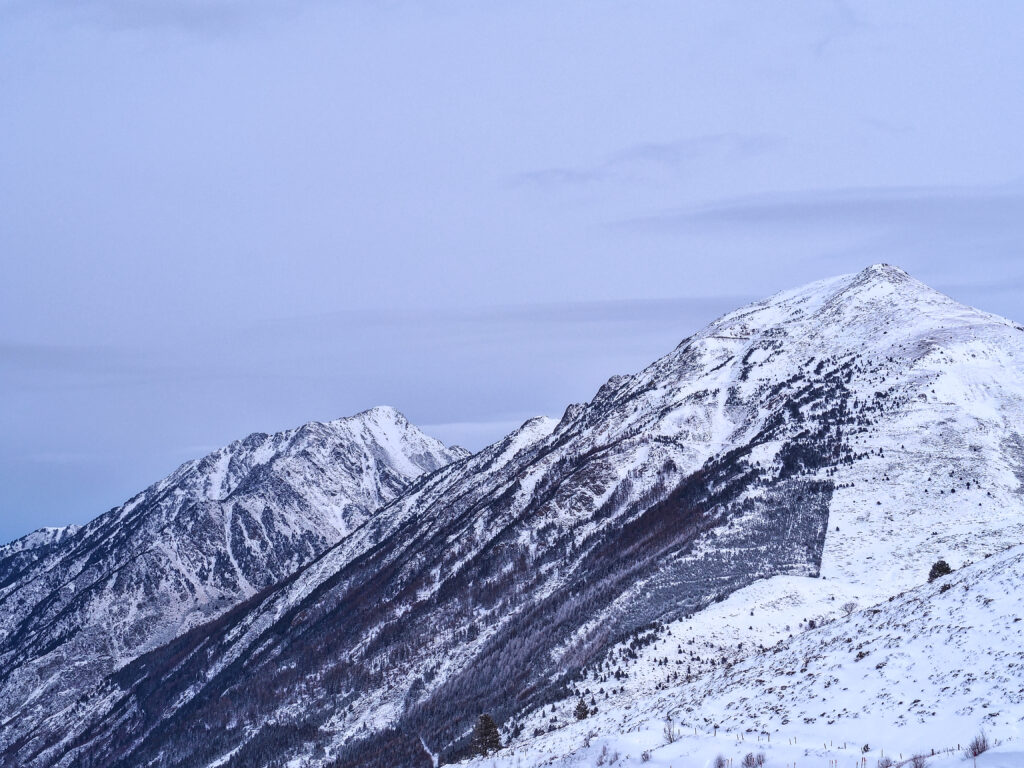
[[193, 16], [225, 215], [649, 160], [947, 208]]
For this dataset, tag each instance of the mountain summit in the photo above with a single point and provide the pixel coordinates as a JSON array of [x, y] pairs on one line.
[[822, 446]]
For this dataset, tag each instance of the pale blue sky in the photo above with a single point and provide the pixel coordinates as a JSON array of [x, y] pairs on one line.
[[218, 217]]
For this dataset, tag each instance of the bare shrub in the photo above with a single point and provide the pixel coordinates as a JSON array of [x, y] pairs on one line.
[[918, 761], [606, 757], [720, 762], [670, 732], [886, 762], [978, 745], [849, 607]]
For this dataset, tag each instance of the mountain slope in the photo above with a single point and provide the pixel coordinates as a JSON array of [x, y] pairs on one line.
[[794, 440], [75, 604], [17, 555], [925, 671]]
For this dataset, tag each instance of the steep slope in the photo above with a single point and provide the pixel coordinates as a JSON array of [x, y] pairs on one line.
[[17, 555], [926, 670], [75, 604], [492, 584]]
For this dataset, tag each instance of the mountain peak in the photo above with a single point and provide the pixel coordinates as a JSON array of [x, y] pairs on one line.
[[379, 414], [875, 282], [880, 300], [883, 271], [383, 412], [886, 275]]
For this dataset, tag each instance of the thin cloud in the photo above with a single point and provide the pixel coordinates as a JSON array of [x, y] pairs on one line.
[[931, 231], [62, 358], [948, 208], [193, 16], [645, 160], [66, 457], [845, 23], [494, 319]]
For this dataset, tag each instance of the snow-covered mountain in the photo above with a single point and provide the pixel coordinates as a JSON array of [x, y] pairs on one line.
[[77, 603], [819, 448]]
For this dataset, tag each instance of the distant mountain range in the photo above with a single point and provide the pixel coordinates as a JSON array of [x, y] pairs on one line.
[[78, 603], [356, 593]]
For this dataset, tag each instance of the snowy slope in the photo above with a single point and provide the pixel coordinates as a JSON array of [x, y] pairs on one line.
[[18, 554], [937, 469], [75, 604], [819, 447], [923, 672]]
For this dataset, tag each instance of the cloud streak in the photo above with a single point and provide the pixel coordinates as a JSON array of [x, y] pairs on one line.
[[645, 161], [948, 236], [930, 230], [206, 17], [181, 179], [946, 206]]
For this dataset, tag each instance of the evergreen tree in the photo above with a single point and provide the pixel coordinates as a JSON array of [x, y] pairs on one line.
[[486, 738], [582, 710], [941, 568]]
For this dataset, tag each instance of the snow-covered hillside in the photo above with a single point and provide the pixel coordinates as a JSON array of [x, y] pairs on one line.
[[923, 672], [17, 554], [936, 466], [820, 448], [77, 603]]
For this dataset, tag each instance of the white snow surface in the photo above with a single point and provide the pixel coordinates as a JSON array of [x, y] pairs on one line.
[[923, 672]]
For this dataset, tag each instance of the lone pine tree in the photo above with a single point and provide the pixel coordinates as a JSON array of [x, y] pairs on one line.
[[486, 738], [582, 710], [941, 568]]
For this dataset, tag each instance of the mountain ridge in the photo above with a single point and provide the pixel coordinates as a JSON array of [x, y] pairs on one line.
[[824, 441]]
